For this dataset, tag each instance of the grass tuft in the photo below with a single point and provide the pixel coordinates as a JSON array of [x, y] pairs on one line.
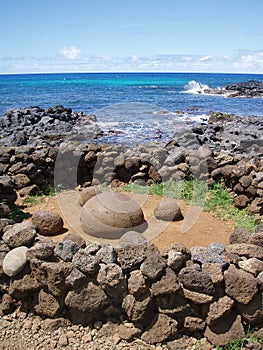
[[16, 214], [217, 199], [40, 197], [250, 338]]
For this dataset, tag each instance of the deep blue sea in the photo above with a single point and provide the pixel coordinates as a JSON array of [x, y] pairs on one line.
[[136, 104]]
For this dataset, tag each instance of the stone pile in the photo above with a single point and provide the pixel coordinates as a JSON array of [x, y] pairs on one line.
[[34, 125], [213, 292]]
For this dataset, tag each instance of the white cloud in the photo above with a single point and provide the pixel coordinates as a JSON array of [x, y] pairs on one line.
[[71, 60], [205, 58], [70, 53]]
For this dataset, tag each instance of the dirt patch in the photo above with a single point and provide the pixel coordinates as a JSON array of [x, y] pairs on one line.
[[197, 229]]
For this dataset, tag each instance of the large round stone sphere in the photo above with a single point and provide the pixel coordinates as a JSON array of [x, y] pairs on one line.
[[109, 215]]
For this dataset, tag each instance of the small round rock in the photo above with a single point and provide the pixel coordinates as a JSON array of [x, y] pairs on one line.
[[168, 210], [47, 222], [14, 261]]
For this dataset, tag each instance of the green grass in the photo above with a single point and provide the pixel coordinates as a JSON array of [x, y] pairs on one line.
[[49, 191], [216, 199], [240, 343], [221, 203], [16, 214]]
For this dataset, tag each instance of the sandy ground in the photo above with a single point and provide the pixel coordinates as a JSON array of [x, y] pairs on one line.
[[197, 229]]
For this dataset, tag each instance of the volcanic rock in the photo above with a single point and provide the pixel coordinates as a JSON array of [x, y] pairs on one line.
[[47, 222]]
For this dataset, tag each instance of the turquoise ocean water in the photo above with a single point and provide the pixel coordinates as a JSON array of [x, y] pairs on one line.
[[134, 103]]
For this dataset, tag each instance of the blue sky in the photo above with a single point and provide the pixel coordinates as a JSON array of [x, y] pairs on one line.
[[131, 35]]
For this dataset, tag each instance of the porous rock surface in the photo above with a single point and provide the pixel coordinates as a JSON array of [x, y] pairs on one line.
[[159, 297], [47, 222]]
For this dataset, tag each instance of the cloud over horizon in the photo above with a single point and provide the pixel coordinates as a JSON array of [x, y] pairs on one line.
[[70, 53], [72, 59]]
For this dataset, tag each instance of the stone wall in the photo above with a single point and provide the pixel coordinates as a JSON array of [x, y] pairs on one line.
[[214, 292], [28, 169]]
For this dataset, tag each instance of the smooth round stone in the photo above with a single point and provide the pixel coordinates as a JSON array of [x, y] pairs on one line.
[[14, 261], [168, 210], [109, 215]]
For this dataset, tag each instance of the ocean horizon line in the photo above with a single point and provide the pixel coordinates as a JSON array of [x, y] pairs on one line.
[[129, 72]]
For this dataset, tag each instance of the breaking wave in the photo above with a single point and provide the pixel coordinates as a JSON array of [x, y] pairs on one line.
[[193, 87]]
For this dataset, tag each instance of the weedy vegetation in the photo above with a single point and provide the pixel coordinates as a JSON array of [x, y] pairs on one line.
[[216, 199]]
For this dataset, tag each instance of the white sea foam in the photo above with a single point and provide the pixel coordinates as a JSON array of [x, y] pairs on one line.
[[194, 87], [148, 87]]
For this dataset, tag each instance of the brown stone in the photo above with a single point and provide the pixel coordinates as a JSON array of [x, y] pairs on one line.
[[153, 266], [47, 304], [227, 329], [137, 283], [7, 305], [135, 309], [167, 284], [246, 249], [252, 312], [21, 181], [197, 298], [245, 181], [43, 249], [219, 309], [238, 189], [21, 234], [88, 298], [215, 272], [49, 325], [196, 281], [29, 191], [174, 305], [252, 265], [239, 235], [177, 255], [24, 286], [128, 333], [240, 285], [168, 210], [130, 256], [257, 239], [47, 222], [241, 201], [161, 329], [194, 324], [53, 275]]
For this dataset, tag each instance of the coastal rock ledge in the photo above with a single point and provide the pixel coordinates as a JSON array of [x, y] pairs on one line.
[[251, 88]]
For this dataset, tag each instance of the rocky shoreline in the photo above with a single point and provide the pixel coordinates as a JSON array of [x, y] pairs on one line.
[[227, 148], [247, 89], [36, 153]]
